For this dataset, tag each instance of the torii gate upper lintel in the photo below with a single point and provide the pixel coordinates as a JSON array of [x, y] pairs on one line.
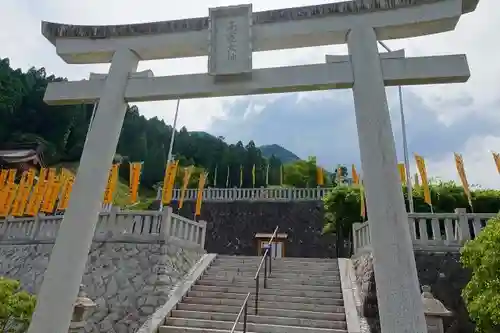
[[234, 33]]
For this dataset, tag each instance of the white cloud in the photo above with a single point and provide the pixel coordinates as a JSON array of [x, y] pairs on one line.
[[478, 163], [475, 34]]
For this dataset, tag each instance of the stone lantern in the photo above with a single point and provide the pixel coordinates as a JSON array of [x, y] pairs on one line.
[[434, 311], [83, 307]]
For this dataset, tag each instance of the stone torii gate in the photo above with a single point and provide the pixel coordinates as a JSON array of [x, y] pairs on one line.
[[233, 33]]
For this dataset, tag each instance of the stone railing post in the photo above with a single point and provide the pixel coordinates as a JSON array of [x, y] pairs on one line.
[[434, 311], [203, 233], [36, 227], [163, 278], [166, 222], [83, 308], [355, 242], [463, 225]]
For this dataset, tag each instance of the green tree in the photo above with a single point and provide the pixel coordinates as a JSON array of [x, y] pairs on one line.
[[342, 209], [334, 174], [16, 307], [343, 205], [482, 293], [301, 173]]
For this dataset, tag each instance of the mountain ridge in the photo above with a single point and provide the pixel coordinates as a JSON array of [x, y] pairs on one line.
[[283, 154]]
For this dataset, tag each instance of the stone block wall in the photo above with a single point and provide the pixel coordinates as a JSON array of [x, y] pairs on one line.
[[441, 271], [121, 277], [231, 226]]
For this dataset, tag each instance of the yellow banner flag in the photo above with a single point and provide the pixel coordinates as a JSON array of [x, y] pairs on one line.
[[3, 177], [199, 197], [23, 192], [253, 176], [355, 176], [52, 175], [496, 157], [282, 174], [402, 173], [7, 198], [64, 175], [27, 191], [66, 192], [320, 178], [339, 174], [51, 195], [19, 194], [423, 176], [362, 200], [241, 176], [134, 181], [169, 182], [111, 186], [459, 161], [185, 182], [34, 203], [11, 176]]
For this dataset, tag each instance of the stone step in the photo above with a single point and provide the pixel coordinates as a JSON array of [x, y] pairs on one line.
[[275, 264], [272, 279], [258, 328], [176, 329], [272, 312], [278, 285], [337, 300], [253, 269], [260, 319], [274, 274], [271, 291], [274, 305], [285, 259]]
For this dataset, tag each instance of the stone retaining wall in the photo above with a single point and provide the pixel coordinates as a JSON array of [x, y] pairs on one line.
[[441, 271], [231, 226], [122, 277]]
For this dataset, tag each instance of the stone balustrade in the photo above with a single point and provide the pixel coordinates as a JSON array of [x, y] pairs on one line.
[[436, 232], [255, 194], [111, 226]]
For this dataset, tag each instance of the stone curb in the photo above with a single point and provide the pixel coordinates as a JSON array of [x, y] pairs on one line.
[[156, 320]]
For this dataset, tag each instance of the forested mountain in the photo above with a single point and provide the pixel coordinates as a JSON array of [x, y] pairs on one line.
[[284, 155], [24, 117]]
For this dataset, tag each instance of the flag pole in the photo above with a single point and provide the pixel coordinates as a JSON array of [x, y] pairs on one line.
[[171, 147], [409, 185]]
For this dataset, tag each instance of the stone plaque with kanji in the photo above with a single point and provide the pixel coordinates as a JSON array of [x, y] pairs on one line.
[[230, 40]]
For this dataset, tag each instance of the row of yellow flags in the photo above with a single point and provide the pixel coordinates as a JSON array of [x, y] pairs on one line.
[[51, 191], [169, 182], [30, 198], [424, 183]]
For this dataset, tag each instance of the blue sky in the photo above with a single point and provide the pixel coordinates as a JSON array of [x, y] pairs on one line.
[[440, 119]]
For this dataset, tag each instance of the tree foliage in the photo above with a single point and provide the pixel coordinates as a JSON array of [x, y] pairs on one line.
[[24, 117], [343, 205], [482, 293], [16, 307]]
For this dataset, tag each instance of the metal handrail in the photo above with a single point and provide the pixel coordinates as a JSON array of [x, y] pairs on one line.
[[265, 259], [244, 311]]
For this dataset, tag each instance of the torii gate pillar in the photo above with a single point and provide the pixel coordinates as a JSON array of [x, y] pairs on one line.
[[398, 292], [77, 228]]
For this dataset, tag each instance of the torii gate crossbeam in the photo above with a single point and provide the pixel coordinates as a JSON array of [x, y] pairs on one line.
[[338, 75]]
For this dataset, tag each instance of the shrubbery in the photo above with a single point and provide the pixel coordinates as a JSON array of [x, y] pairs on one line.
[[343, 206], [16, 307], [482, 293]]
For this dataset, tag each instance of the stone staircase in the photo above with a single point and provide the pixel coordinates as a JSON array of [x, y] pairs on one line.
[[302, 295]]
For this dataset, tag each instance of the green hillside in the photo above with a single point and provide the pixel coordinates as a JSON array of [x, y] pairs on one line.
[[284, 155]]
